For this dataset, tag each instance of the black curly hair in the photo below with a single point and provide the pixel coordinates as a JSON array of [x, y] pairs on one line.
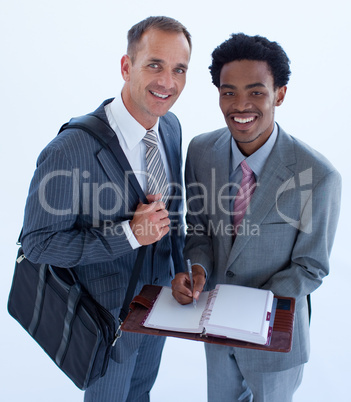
[[244, 47]]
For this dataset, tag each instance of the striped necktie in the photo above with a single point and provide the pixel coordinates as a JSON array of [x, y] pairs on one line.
[[243, 197], [157, 179]]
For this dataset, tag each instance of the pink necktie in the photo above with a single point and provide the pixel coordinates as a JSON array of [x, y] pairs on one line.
[[243, 197]]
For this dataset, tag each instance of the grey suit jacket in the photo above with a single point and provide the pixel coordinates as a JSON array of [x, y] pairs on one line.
[[286, 236], [77, 200]]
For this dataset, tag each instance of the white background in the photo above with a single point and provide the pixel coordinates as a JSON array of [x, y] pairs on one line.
[[61, 59]]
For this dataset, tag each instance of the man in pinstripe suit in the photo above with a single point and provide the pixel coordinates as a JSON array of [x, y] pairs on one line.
[[82, 211]]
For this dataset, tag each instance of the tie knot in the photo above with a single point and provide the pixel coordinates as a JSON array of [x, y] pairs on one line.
[[246, 169], [150, 138]]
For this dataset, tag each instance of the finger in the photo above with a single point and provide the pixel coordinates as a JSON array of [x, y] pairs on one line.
[[165, 221], [162, 231], [181, 285], [179, 279], [144, 208], [181, 297], [159, 219], [154, 212], [199, 283], [153, 197], [159, 206], [164, 226], [140, 205]]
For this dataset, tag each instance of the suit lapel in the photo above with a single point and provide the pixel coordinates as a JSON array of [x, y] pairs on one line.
[[123, 175], [172, 149], [275, 174], [129, 183], [220, 174]]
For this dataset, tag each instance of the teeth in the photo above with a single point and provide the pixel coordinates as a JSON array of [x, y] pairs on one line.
[[160, 95], [242, 120]]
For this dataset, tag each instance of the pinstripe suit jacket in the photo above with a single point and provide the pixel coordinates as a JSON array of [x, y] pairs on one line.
[[78, 197], [286, 236]]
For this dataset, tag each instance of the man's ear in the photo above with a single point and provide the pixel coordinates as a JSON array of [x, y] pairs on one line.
[[281, 92], [126, 64]]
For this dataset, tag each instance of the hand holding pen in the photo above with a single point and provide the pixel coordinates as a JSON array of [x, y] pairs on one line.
[[182, 292]]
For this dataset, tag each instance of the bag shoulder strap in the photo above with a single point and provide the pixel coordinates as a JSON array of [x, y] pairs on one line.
[[101, 131], [97, 128]]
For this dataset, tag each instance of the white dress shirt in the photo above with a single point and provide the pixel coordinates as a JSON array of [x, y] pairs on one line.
[[130, 135]]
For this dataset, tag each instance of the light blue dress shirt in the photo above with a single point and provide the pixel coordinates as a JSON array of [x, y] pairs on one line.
[[256, 162]]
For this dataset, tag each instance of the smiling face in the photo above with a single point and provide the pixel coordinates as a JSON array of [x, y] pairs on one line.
[[157, 75], [248, 100]]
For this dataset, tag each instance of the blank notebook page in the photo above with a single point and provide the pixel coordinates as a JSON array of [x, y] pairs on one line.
[[239, 307], [167, 313]]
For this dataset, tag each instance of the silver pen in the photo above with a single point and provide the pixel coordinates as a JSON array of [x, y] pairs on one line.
[[190, 271]]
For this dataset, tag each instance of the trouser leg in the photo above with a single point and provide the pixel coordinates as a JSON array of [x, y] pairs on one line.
[[225, 382], [228, 382], [131, 380], [146, 368], [274, 386]]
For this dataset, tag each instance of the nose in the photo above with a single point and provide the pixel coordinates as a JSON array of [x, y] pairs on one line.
[[165, 79], [242, 102]]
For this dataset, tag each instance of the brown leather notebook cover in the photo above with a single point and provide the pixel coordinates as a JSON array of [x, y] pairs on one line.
[[282, 329]]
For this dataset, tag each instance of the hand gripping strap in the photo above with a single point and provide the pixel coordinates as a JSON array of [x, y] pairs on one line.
[[101, 131]]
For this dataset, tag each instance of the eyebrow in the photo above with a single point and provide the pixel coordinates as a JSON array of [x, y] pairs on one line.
[[250, 86], [156, 61], [179, 65]]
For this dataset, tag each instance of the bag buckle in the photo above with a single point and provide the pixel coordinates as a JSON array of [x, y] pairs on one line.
[[118, 333]]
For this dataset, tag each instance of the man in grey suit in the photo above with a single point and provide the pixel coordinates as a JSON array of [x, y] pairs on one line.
[[283, 240], [84, 212]]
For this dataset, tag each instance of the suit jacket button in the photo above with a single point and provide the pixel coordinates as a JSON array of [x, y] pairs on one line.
[[230, 274], [156, 281]]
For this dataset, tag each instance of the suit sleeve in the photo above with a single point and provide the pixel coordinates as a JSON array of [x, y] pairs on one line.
[[311, 251], [56, 230], [198, 244], [177, 217]]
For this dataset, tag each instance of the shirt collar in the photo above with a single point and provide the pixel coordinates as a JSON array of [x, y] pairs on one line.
[[131, 130], [257, 160]]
